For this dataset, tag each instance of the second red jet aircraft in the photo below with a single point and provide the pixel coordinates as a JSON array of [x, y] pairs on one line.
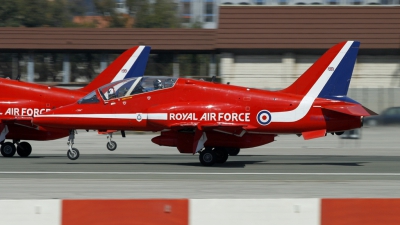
[[22, 100]]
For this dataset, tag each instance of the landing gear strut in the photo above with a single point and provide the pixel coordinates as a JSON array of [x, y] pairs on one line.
[[72, 153], [111, 145]]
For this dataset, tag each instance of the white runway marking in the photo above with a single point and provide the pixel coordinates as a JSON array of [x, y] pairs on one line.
[[194, 173]]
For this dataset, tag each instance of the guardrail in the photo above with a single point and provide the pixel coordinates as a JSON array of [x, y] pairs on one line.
[[307, 211]]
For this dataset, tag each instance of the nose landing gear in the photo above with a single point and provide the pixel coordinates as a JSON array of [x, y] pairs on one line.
[[111, 145], [72, 153]]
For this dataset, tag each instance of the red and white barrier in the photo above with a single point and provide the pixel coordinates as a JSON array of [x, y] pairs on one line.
[[253, 211], [32, 212], [201, 211]]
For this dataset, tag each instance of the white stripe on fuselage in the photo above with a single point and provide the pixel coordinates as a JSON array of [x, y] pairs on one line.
[[128, 65], [151, 116], [306, 103]]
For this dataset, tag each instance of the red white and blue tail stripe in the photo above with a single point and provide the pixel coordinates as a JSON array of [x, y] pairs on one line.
[[131, 63], [329, 77]]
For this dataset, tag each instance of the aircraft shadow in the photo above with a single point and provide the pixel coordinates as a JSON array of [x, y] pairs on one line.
[[17, 157], [233, 164], [228, 164], [321, 164]]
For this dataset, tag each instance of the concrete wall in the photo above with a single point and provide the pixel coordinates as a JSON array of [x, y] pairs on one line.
[[375, 82], [279, 71]]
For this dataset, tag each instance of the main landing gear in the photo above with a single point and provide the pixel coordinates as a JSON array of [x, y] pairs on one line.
[[233, 151], [72, 153], [8, 149], [211, 155]]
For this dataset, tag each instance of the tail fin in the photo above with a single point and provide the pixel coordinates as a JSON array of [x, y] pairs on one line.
[[131, 63], [329, 77]]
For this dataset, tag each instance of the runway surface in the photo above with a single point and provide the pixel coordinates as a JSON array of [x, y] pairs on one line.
[[287, 168]]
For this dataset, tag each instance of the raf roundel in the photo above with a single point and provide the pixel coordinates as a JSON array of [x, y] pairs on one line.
[[264, 117], [139, 117]]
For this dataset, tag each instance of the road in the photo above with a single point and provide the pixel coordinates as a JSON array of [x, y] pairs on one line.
[[287, 168]]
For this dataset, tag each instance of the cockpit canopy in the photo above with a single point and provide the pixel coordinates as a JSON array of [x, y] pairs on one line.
[[129, 87]]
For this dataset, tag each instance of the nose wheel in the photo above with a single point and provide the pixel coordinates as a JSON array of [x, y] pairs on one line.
[[72, 153], [111, 145]]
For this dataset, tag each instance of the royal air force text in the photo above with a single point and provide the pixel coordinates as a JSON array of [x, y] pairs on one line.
[[25, 111], [231, 117]]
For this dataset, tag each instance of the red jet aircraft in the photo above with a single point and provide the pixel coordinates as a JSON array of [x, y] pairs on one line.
[[215, 119], [21, 100]]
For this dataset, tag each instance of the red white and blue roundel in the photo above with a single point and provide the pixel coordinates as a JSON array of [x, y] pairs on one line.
[[264, 117]]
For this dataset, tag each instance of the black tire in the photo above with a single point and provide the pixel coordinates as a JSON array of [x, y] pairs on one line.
[[233, 151], [207, 157], [339, 133], [74, 154], [221, 155], [24, 149], [8, 149], [112, 146]]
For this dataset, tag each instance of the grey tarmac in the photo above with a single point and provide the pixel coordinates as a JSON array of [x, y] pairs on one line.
[[288, 168]]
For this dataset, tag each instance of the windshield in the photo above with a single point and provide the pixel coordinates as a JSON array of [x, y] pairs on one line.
[[90, 98], [135, 86]]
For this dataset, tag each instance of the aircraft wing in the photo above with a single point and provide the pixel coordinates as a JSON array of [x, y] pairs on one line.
[[12, 118], [17, 120], [200, 137], [24, 121], [237, 129], [354, 110]]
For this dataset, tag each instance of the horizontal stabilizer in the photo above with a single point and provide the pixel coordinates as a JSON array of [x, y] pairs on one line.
[[354, 110], [313, 134]]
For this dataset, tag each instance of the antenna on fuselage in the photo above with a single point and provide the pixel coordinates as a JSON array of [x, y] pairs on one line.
[[213, 78]]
